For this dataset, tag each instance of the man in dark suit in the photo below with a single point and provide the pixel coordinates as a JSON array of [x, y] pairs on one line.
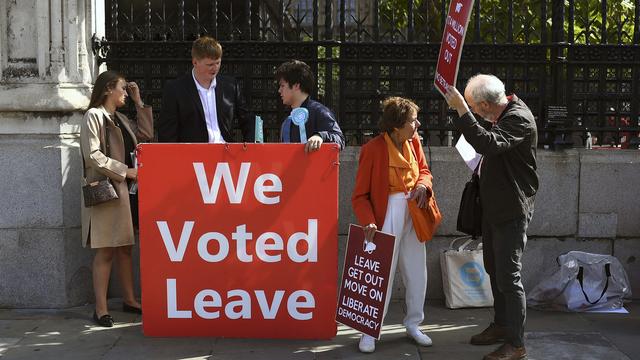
[[295, 81], [204, 106], [507, 140]]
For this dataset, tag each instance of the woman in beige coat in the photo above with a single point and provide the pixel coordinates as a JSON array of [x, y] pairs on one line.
[[107, 227]]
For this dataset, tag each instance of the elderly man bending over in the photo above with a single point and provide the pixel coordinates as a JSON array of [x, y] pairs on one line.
[[504, 132]]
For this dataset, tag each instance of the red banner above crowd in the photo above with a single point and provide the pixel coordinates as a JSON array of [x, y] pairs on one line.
[[238, 240]]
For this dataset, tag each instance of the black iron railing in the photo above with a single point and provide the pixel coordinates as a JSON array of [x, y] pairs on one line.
[[584, 55]]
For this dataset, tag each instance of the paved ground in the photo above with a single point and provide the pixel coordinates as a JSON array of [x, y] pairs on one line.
[[69, 334]]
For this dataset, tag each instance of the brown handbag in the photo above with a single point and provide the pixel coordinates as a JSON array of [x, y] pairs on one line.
[[101, 191], [98, 192], [425, 220]]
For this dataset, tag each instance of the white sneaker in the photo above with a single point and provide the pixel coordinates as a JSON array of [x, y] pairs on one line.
[[419, 337], [367, 344]]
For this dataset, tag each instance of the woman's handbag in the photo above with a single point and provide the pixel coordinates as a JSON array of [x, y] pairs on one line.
[[425, 220], [98, 192], [470, 212], [101, 191]]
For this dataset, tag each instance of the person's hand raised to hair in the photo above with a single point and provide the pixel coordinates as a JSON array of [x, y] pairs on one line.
[[134, 92]]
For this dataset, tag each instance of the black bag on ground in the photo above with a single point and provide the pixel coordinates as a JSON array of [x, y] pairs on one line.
[[470, 212]]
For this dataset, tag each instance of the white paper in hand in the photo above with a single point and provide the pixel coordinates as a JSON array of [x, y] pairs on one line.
[[468, 153]]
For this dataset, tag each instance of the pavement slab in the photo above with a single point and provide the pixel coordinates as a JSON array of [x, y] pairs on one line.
[[570, 346], [71, 334]]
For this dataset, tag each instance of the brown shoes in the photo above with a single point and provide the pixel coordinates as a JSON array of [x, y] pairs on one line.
[[507, 352], [491, 335]]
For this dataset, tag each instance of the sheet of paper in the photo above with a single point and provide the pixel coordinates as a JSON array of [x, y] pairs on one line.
[[468, 153]]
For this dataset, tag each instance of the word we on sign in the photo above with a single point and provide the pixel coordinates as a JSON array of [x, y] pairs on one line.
[[364, 283], [238, 240], [455, 30]]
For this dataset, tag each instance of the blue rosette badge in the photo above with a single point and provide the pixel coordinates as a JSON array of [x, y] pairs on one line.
[[299, 117]]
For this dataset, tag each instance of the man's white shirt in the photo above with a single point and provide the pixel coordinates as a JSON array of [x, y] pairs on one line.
[[208, 100]]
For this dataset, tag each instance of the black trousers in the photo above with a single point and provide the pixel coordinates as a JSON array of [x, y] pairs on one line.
[[133, 201], [503, 245]]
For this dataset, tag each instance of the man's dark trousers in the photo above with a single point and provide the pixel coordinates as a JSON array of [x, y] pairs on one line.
[[503, 244]]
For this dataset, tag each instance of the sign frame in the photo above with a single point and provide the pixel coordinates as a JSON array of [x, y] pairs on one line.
[[238, 240], [364, 283]]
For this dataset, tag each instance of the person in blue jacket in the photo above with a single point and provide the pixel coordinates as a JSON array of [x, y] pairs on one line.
[[295, 80]]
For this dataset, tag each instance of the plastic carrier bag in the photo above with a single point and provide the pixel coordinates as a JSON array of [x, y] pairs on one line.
[[583, 282]]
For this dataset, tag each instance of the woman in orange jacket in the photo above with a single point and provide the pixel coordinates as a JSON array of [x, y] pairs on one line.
[[392, 168]]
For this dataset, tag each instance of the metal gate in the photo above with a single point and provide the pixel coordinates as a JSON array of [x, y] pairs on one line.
[[549, 52]]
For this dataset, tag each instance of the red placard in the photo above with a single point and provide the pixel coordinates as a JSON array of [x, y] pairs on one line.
[[455, 30], [238, 240], [364, 283]]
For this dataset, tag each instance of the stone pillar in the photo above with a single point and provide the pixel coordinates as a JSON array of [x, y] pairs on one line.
[[45, 82]]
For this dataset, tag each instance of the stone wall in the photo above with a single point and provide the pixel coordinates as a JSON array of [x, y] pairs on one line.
[[586, 202], [45, 79], [575, 184]]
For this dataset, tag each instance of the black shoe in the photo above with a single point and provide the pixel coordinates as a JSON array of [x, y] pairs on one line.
[[105, 320], [491, 335], [131, 309]]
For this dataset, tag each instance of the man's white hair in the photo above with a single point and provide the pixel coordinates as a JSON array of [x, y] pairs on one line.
[[486, 87]]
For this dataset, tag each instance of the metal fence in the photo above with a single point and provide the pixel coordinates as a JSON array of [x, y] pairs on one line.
[[584, 56]]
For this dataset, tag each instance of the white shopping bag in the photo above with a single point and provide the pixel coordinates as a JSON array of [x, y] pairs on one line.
[[464, 279], [583, 282]]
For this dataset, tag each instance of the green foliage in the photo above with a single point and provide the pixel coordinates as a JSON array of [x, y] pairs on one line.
[[588, 21], [396, 12], [527, 20]]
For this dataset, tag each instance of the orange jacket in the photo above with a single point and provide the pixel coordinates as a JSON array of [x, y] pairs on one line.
[[371, 193]]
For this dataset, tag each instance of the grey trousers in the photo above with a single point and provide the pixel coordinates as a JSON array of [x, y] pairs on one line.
[[503, 245]]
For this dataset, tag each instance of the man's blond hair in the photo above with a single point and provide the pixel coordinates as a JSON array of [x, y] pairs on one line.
[[206, 47]]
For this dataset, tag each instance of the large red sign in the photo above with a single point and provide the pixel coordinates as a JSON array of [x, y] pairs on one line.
[[455, 30], [365, 281], [238, 240]]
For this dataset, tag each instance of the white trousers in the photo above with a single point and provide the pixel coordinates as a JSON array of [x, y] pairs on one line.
[[411, 255]]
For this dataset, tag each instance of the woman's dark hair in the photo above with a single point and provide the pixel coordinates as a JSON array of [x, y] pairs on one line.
[[296, 72], [105, 82], [396, 111]]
